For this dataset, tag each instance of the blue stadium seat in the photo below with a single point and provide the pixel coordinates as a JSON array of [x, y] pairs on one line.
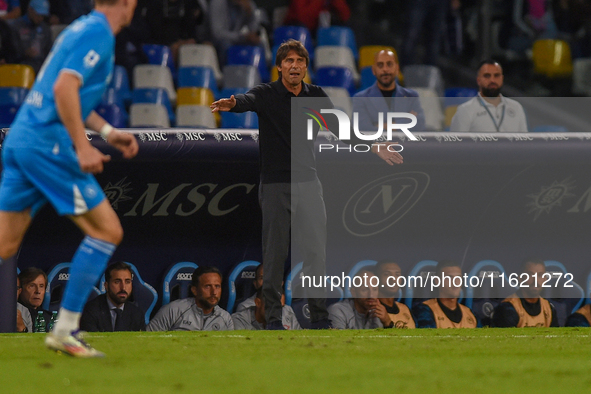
[[113, 96], [550, 129], [7, 114], [566, 300], [114, 114], [177, 282], [338, 36], [367, 78], [240, 283], [484, 299], [153, 96], [245, 120], [143, 295], [160, 55], [458, 96], [200, 77], [356, 268], [249, 55], [339, 77], [300, 33], [293, 275], [227, 92], [120, 82], [57, 279], [10, 101]]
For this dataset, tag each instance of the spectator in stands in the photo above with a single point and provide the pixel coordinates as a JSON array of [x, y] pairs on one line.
[[429, 15], [9, 44], [78, 8], [388, 272], [34, 282], [24, 323], [532, 20], [445, 311], [526, 308], [199, 314], [174, 23], [490, 111], [234, 22], [10, 9], [113, 311], [363, 310], [34, 33], [581, 318], [257, 284], [253, 318], [317, 13], [386, 96]]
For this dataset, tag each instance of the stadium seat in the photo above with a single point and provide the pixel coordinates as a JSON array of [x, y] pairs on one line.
[[57, 279], [56, 30], [199, 116], [120, 82], [338, 77], [582, 76], [449, 115], [114, 114], [227, 92], [148, 115], [367, 54], [417, 295], [552, 58], [340, 98], [335, 56], [549, 129], [458, 96], [300, 33], [198, 76], [431, 104], [10, 101], [153, 96], [249, 55], [160, 55], [113, 96], [143, 295], [7, 114], [194, 96], [177, 282], [421, 76], [337, 36], [200, 55], [245, 120], [240, 76], [240, 283], [275, 75], [16, 76], [482, 300], [367, 78], [566, 300], [151, 76]]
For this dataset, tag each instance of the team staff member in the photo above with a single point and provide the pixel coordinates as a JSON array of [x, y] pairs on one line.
[[489, 111], [526, 308], [201, 313], [445, 311], [581, 318], [400, 316], [288, 193]]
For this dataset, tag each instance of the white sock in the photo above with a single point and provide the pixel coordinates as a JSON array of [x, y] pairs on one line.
[[67, 321]]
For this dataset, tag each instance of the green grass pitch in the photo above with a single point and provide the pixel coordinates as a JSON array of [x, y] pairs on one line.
[[536, 360]]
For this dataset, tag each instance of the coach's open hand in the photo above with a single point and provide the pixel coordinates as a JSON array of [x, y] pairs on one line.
[[390, 157]]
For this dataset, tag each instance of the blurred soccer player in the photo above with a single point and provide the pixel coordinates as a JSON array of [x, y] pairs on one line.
[[47, 158]]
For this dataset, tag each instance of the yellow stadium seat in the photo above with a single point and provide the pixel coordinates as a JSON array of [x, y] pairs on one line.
[[17, 76], [275, 75], [367, 53], [196, 96], [449, 114], [552, 58]]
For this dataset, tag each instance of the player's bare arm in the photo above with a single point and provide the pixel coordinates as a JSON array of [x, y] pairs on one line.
[[67, 102], [223, 105], [125, 142]]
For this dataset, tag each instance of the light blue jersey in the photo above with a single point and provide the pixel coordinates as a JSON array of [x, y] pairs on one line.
[[86, 49]]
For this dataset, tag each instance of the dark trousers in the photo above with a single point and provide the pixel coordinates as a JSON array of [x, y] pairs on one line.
[[300, 205], [424, 16]]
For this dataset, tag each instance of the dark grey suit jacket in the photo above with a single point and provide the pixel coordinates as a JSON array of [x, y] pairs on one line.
[[97, 316]]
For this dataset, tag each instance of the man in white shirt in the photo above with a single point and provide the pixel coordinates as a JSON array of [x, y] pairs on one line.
[[489, 111]]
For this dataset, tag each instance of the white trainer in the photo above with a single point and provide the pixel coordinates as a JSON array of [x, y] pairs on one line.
[[72, 345]]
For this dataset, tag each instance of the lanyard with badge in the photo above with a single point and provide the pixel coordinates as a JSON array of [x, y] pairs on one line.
[[498, 127]]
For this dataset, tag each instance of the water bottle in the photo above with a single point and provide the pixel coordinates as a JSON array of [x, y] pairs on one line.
[[40, 322], [53, 320]]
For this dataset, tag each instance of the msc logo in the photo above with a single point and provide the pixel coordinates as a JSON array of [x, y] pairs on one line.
[[248, 275], [63, 276], [156, 136], [378, 205], [184, 276], [227, 137], [191, 136]]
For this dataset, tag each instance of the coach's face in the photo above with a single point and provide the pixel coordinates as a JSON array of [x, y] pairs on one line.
[[208, 292], [293, 69], [119, 286], [33, 292], [385, 68]]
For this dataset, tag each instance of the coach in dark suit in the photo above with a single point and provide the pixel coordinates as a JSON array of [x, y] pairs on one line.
[[112, 311]]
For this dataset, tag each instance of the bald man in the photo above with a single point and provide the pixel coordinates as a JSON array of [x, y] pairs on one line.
[[386, 95]]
